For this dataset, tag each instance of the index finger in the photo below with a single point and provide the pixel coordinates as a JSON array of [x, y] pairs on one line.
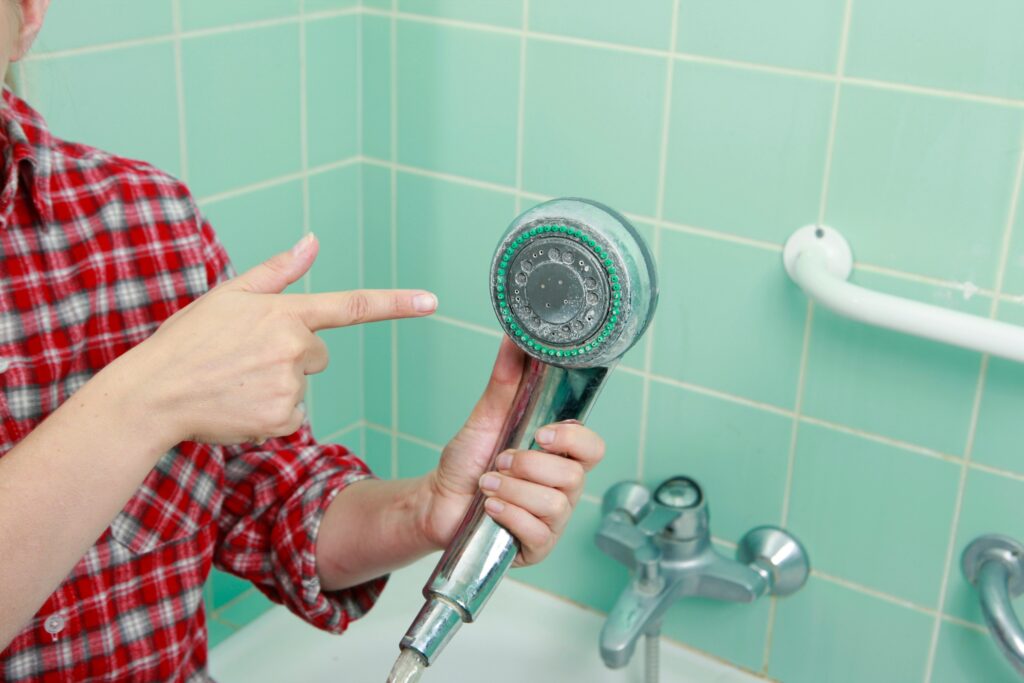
[[341, 309]]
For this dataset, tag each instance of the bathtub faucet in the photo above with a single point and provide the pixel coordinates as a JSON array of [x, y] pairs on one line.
[[665, 541]]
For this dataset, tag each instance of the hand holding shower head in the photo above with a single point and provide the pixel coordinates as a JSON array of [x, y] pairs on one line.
[[574, 286]]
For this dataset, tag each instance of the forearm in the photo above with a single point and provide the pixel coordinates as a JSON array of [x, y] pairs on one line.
[[61, 486], [371, 528]]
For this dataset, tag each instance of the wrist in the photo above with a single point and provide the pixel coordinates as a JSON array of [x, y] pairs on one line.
[[427, 502], [129, 391]]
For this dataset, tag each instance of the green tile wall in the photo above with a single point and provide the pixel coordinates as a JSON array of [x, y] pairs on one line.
[[719, 126]]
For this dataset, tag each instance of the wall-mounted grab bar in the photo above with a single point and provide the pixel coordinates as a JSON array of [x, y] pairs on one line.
[[819, 260], [995, 566]]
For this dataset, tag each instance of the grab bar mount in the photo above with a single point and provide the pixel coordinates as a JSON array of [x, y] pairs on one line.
[[819, 260]]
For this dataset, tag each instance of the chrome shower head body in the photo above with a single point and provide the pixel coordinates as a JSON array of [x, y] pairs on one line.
[[573, 283]]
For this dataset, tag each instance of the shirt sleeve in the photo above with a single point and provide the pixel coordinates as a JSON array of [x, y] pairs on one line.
[[275, 497]]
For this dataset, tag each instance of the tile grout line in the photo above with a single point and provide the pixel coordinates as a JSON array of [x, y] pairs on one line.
[[361, 222], [179, 87], [344, 430], [473, 327], [1004, 254], [393, 132], [706, 59], [307, 279], [521, 107], [274, 182], [41, 56], [801, 380], [659, 214]]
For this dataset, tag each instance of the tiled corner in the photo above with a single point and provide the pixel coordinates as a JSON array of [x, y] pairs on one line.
[[966, 46], [728, 318], [82, 23], [439, 359], [592, 125], [331, 85], [376, 82], [377, 454], [991, 505], [377, 275], [746, 150], [84, 99], [334, 217], [737, 453], [872, 514], [457, 101], [256, 225], [968, 655], [893, 384], [247, 607], [599, 584], [216, 631], [999, 435], [415, 460], [225, 587], [827, 632], [641, 24], [202, 14], [507, 13], [447, 233], [241, 107], [733, 631], [799, 34], [616, 417], [923, 183]]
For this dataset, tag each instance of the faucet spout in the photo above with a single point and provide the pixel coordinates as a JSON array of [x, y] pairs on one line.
[[638, 610]]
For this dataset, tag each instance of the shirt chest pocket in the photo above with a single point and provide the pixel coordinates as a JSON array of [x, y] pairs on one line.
[[181, 495]]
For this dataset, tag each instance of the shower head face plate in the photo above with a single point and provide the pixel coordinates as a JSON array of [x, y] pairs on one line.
[[573, 283]]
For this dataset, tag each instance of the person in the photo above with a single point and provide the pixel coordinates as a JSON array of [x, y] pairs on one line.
[[151, 424]]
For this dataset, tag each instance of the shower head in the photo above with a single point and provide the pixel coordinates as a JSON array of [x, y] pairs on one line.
[[573, 283]]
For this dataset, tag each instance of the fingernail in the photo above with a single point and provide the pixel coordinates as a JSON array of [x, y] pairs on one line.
[[490, 482], [504, 461], [545, 435], [302, 245], [493, 505], [424, 303]]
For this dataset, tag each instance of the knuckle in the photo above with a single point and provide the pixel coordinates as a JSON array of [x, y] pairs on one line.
[[358, 306], [577, 476]]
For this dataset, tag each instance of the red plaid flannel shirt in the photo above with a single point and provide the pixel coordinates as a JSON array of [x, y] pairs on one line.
[[95, 252]]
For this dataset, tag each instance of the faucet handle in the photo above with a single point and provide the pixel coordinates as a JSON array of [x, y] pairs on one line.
[[630, 497], [778, 556]]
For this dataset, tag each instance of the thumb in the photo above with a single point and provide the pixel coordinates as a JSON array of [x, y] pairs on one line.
[[491, 410], [280, 270]]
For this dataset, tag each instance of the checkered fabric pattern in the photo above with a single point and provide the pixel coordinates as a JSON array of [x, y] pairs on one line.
[[95, 252]]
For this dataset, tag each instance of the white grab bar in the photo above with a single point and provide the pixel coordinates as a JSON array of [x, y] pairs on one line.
[[818, 259]]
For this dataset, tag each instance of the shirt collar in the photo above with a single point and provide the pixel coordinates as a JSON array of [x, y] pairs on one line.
[[27, 157]]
